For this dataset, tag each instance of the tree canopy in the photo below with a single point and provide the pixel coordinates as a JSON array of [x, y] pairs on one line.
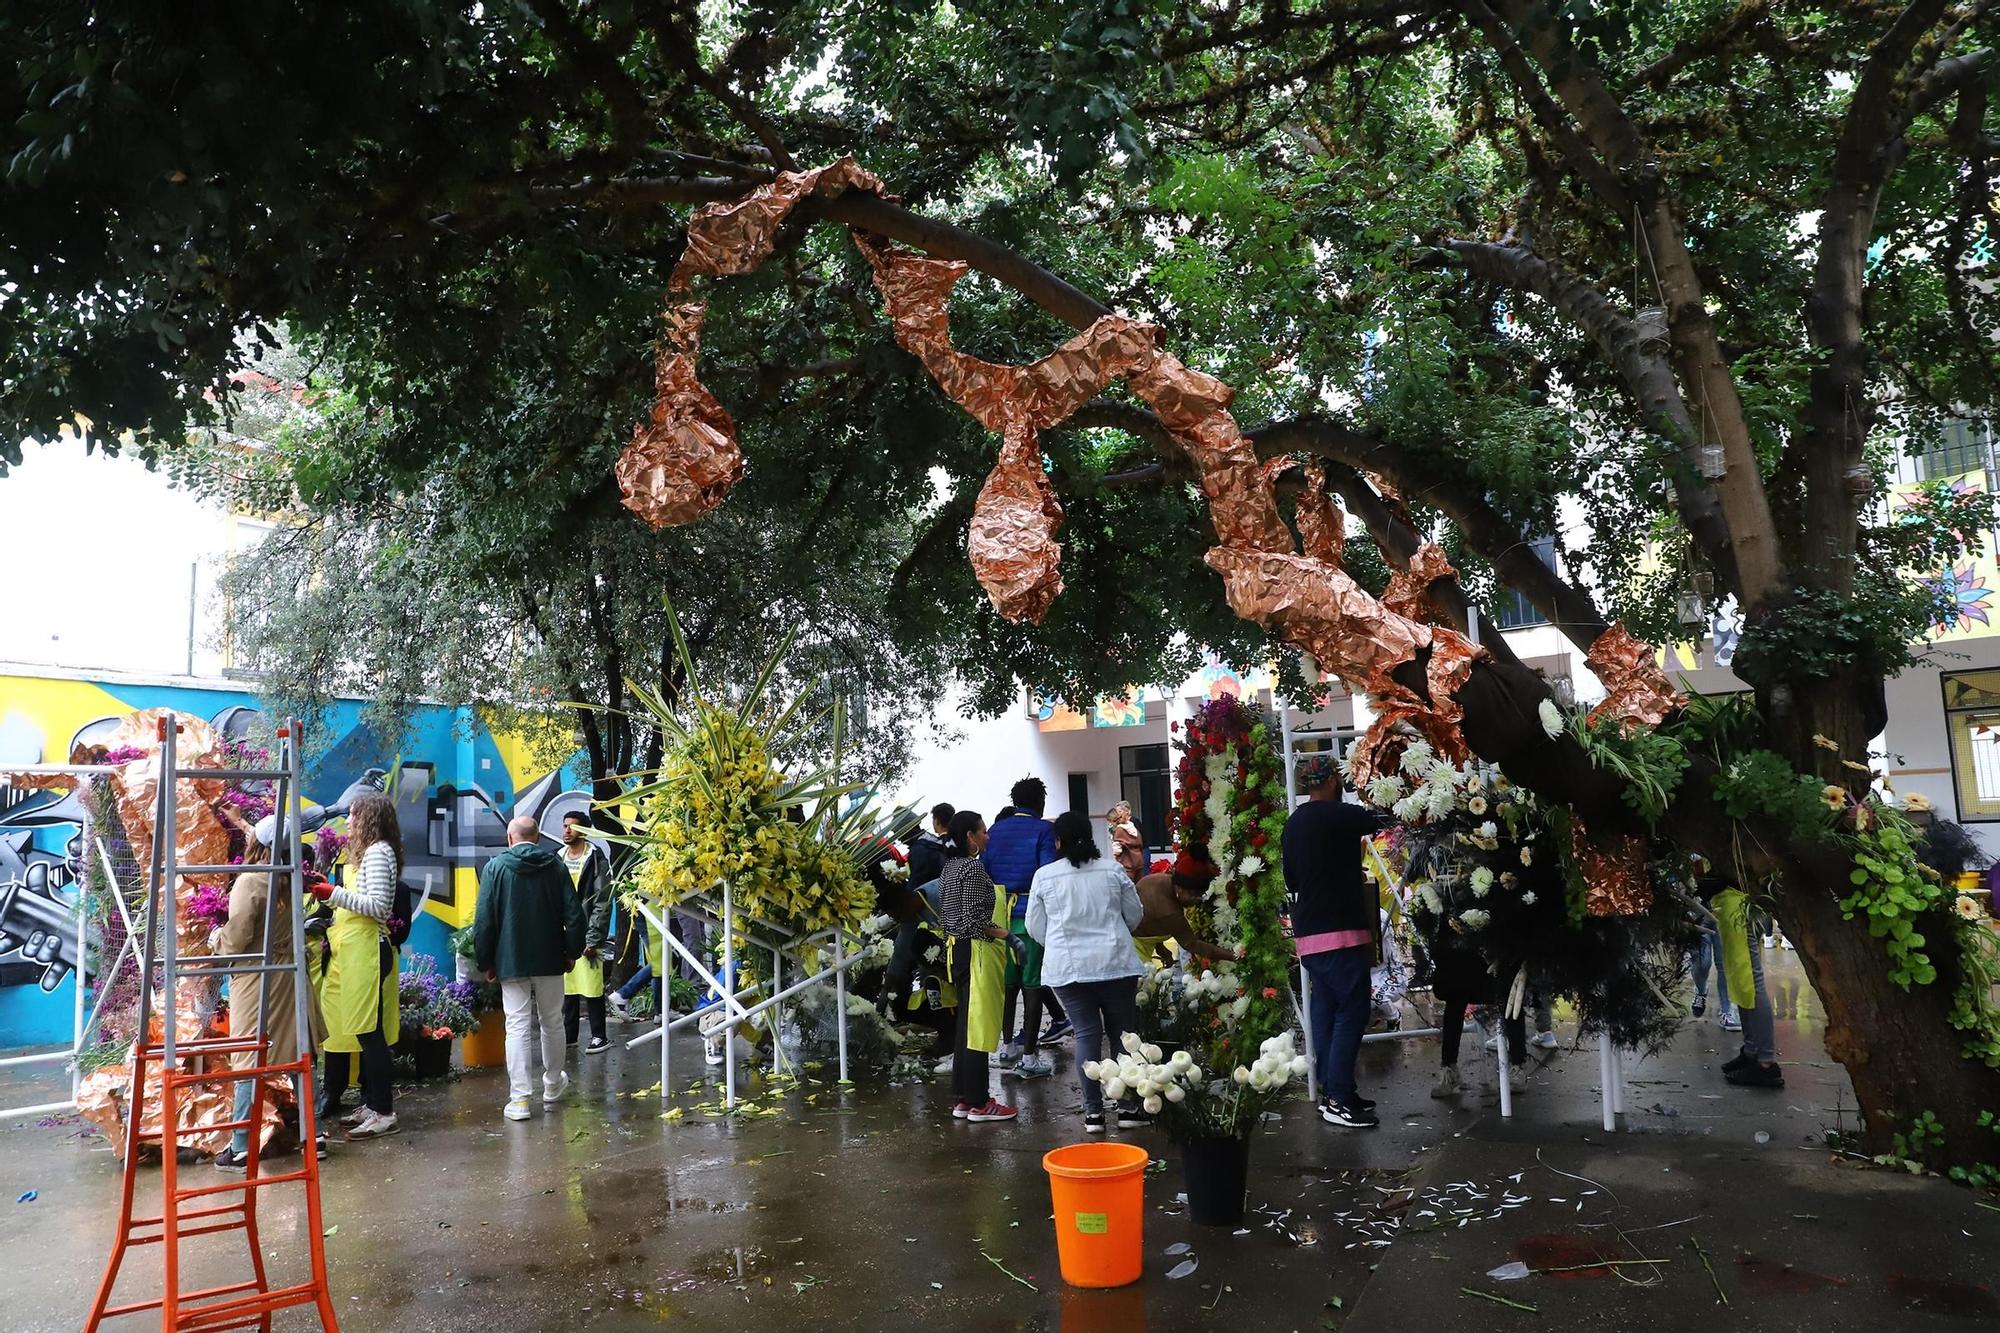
[[1693, 272]]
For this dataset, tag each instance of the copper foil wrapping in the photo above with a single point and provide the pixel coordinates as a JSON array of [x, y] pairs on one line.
[[1322, 535], [683, 459], [1012, 540], [1637, 690], [1195, 408], [1320, 609], [1616, 882], [737, 236], [1408, 593], [1445, 674]]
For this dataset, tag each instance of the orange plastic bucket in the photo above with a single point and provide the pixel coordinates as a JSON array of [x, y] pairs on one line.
[[1099, 1190]]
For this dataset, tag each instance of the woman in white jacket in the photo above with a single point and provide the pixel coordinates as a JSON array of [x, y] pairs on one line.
[[1082, 909]]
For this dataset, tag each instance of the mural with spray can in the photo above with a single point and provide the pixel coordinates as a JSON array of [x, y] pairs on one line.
[[456, 784]]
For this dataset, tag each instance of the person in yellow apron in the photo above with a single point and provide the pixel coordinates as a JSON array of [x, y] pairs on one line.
[[358, 995], [975, 915], [583, 985]]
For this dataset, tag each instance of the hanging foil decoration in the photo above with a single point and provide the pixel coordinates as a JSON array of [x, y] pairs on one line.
[[1615, 879], [1637, 693], [1409, 590], [1322, 534]]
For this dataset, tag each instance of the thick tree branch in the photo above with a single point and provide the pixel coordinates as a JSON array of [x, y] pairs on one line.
[[1648, 376], [1636, 190], [631, 119]]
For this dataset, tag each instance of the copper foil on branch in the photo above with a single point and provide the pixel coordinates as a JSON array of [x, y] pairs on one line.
[[1616, 882], [683, 459], [1320, 609], [1409, 590], [1637, 691], [1012, 538], [1322, 533]]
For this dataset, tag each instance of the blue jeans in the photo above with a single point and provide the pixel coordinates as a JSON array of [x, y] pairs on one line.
[[1708, 954], [1341, 1002], [1760, 1024]]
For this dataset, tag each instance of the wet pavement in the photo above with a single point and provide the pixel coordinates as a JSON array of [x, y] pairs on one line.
[[871, 1209]]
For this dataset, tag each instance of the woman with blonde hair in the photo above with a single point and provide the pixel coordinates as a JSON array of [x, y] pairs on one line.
[[359, 994], [1128, 848]]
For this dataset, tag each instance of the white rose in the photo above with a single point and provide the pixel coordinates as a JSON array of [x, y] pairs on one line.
[[1090, 1068], [1115, 1089], [1298, 1066], [1241, 1075], [1151, 1052], [1551, 716], [1152, 1105], [1260, 1082], [1175, 1093], [1131, 1043]]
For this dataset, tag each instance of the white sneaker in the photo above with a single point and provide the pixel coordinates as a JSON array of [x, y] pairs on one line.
[[618, 1005], [944, 1066], [374, 1126], [561, 1090], [1450, 1084], [1546, 1040], [711, 1050], [1033, 1066], [517, 1109], [356, 1116]]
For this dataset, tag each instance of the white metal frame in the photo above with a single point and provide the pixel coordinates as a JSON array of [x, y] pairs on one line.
[[718, 908]]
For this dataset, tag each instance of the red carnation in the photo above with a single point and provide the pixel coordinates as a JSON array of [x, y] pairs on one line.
[[1270, 992], [1259, 838]]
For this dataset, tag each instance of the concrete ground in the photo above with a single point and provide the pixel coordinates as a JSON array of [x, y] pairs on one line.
[[872, 1209]]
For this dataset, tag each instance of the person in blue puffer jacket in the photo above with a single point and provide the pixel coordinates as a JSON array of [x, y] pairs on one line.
[[1016, 847]]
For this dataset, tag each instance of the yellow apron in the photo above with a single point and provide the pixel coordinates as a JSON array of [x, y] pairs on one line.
[[1732, 937], [349, 994], [987, 986], [586, 978]]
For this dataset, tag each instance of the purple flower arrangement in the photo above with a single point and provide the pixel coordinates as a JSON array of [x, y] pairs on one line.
[[207, 903], [433, 1006]]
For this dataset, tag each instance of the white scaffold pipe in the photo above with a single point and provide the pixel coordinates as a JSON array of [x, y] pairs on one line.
[[840, 996], [1604, 1081], [729, 995], [1506, 1088], [1304, 1004]]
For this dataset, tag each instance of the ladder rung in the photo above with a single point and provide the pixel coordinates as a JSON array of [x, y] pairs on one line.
[[186, 1232], [237, 1075], [212, 1316], [247, 1183], [226, 774], [193, 1215], [158, 1301], [225, 965], [199, 1046], [240, 868]]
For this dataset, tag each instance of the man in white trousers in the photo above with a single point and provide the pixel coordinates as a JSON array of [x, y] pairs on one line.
[[527, 932]]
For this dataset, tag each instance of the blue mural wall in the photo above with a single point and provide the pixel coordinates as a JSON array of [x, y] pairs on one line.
[[456, 785]]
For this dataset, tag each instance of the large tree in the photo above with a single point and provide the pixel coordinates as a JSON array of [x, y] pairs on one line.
[[1696, 266]]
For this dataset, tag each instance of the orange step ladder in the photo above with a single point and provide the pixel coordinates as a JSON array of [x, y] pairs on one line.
[[187, 1211]]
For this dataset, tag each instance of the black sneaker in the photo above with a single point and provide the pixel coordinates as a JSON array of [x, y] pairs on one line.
[[1132, 1117], [1755, 1075], [1057, 1030], [1742, 1061], [1093, 1122], [1700, 1007], [232, 1161], [1346, 1116], [597, 1045]]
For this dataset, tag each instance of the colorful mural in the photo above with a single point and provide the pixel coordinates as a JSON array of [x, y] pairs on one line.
[[456, 784]]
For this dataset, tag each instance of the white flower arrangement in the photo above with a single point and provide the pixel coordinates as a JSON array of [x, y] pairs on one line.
[[1528, 898], [1385, 791], [896, 872], [1416, 757], [1161, 1081], [1482, 881], [1474, 918], [879, 924], [1552, 718], [1250, 865]]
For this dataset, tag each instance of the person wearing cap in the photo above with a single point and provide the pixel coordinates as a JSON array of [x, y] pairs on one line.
[[1166, 899], [1334, 920]]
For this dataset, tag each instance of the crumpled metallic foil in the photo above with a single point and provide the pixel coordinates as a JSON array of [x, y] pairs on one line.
[[1637, 691], [1195, 408], [1322, 532], [1320, 609], [202, 838], [683, 459], [1012, 538], [1445, 674], [1615, 879], [737, 236], [1409, 590]]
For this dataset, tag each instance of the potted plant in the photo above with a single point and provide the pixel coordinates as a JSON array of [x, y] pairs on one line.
[[1207, 1113], [485, 1044], [434, 1011]]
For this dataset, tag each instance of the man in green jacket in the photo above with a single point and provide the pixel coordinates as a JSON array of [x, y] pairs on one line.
[[526, 932]]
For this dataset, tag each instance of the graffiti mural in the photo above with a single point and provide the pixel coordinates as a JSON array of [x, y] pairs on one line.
[[455, 783]]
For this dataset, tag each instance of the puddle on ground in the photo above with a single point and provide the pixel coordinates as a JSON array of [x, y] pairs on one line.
[[731, 1263], [1953, 1298], [690, 1204]]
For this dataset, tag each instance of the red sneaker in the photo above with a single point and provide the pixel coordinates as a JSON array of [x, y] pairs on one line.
[[960, 1111], [993, 1110]]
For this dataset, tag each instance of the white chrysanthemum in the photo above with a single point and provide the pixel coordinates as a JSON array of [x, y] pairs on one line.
[[1249, 865], [1416, 757], [1474, 919], [1528, 899], [1482, 881], [1431, 901], [1410, 809], [1130, 1041], [1241, 1075], [1440, 801], [1488, 830], [1552, 718], [1385, 790], [1527, 856]]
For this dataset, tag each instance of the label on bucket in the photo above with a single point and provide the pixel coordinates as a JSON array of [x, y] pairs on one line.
[[1092, 1224]]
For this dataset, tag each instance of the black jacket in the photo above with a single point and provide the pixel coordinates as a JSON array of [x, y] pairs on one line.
[[926, 859], [1322, 846]]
